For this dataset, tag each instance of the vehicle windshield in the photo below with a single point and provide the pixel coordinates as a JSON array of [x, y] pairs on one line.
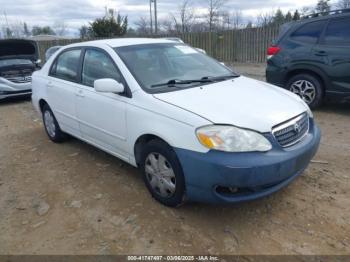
[[11, 62], [171, 66]]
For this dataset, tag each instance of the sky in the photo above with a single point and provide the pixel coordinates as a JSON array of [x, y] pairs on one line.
[[75, 13]]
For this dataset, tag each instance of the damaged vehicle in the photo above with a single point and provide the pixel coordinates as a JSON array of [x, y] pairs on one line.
[[197, 130], [19, 58]]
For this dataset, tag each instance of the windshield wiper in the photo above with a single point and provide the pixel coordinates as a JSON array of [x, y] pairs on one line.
[[175, 82], [219, 78]]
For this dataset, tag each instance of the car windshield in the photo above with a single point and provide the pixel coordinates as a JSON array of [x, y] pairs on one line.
[[171, 66], [10, 62]]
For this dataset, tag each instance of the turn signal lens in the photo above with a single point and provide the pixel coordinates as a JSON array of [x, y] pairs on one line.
[[232, 139]]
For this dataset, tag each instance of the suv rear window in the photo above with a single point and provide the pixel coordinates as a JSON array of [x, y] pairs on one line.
[[338, 32], [309, 33]]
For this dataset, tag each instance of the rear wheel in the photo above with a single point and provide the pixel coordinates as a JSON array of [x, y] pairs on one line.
[[307, 87], [52, 128], [162, 173]]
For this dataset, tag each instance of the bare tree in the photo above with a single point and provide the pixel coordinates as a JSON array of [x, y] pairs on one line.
[[16, 28], [184, 17], [236, 18], [213, 16], [306, 11], [226, 21], [343, 4], [265, 19], [323, 6], [143, 26], [60, 28], [168, 26]]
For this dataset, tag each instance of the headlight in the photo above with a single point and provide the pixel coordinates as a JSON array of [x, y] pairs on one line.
[[232, 139]]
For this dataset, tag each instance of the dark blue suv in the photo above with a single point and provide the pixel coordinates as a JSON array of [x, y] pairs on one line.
[[311, 57]]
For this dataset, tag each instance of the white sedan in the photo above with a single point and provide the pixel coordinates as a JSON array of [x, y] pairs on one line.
[[196, 129]]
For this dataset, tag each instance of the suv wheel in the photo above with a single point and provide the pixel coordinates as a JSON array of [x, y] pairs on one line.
[[162, 173], [51, 126], [308, 87]]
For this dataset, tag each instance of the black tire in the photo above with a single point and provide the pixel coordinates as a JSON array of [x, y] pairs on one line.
[[159, 147], [316, 83], [59, 136]]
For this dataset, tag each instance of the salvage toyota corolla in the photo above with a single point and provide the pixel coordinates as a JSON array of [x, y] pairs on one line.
[[197, 130]]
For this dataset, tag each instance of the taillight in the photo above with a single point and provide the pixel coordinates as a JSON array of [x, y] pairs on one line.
[[272, 50]]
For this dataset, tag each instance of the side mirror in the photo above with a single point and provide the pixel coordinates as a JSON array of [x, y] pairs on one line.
[[38, 63], [108, 85]]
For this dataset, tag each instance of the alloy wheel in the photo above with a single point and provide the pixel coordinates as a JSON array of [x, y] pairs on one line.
[[305, 89]]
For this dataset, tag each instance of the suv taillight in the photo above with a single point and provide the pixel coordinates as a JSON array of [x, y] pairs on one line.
[[272, 50]]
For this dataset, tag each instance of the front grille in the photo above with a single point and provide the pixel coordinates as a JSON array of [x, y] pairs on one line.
[[18, 76], [20, 79], [292, 131]]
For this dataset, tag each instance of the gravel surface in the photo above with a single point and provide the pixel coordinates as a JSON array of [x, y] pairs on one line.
[[72, 198]]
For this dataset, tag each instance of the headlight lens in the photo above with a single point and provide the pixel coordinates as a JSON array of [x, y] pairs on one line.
[[232, 139]]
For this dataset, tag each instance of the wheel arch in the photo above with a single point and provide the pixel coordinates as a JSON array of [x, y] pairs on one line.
[[315, 72], [42, 103], [143, 140]]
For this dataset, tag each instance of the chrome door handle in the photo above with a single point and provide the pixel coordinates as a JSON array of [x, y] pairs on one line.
[[49, 84], [80, 93], [320, 53]]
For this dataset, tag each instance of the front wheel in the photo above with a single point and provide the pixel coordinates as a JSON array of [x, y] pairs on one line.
[[162, 173], [307, 87]]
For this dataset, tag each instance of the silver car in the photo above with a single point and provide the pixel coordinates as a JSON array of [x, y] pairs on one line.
[[18, 61]]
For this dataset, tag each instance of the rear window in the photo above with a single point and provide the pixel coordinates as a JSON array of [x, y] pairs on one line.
[[338, 32], [309, 33]]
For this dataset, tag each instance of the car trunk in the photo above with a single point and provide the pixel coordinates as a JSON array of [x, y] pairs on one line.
[[18, 59]]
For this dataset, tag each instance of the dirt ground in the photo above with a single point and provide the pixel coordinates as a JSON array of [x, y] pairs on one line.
[[74, 199]]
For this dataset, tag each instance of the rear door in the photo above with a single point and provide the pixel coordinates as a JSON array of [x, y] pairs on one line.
[[302, 42], [334, 52], [62, 87]]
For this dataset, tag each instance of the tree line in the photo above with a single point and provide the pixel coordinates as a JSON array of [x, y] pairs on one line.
[[215, 16], [18, 29]]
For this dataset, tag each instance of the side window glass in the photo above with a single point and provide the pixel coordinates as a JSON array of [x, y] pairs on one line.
[[309, 33], [338, 32], [98, 65], [67, 65]]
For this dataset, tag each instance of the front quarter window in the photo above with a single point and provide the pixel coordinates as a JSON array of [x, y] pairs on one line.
[[98, 65]]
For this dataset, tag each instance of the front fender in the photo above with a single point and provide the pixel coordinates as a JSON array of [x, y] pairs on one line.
[[170, 123]]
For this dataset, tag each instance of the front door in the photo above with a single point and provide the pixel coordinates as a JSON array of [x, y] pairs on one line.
[[334, 49], [102, 116]]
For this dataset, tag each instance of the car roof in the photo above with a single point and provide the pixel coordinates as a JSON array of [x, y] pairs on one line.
[[289, 27], [119, 42], [318, 17]]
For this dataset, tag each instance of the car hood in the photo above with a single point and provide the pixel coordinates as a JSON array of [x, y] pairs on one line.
[[19, 48], [242, 102]]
